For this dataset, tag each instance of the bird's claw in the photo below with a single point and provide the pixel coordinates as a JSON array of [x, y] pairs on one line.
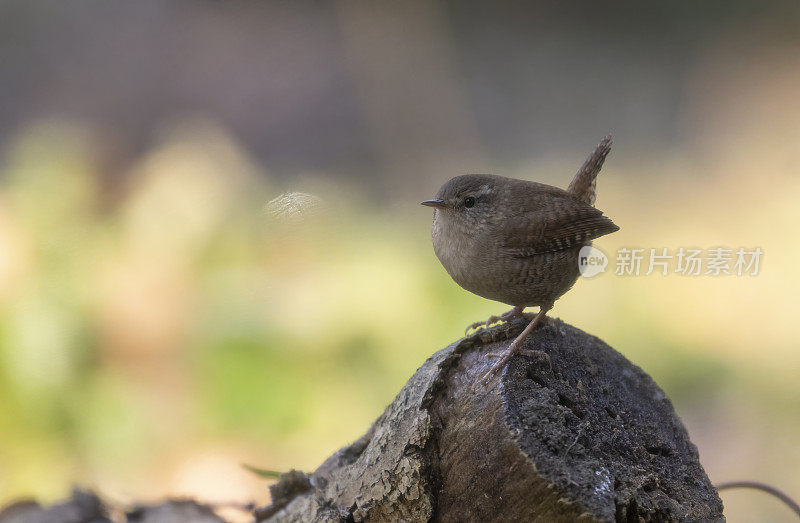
[[498, 366], [492, 319], [506, 356], [516, 346], [506, 316]]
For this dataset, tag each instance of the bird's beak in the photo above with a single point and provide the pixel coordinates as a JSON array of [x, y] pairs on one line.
[[435, 203]]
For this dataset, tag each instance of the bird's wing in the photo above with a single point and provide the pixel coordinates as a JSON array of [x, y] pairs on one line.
[[557, 224]]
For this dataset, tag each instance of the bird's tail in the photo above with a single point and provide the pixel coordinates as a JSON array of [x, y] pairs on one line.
[[583, 185]]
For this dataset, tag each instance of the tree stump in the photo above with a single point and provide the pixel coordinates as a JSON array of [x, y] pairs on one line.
[[570, 431]]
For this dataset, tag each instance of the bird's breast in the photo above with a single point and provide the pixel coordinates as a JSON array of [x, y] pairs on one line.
[[465, 250]]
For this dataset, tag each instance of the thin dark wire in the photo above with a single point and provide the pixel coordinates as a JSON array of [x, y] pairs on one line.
[[763, 487]]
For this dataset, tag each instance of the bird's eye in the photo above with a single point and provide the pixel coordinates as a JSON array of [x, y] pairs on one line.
[[469, 201]]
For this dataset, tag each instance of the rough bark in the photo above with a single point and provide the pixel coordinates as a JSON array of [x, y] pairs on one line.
[[87, 507], [570, 431]]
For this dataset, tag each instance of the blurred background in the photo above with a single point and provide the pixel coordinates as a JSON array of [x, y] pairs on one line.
[[161, 324]]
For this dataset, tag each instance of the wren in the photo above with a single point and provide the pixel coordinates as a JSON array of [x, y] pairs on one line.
[[517, 241]]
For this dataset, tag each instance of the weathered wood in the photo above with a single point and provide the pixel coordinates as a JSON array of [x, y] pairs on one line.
[[86, 507], [571, 431]]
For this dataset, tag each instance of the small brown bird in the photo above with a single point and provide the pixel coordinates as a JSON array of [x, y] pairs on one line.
[[516, 241]]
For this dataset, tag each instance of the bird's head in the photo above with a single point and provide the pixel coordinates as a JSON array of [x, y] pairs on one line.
[[469, 198]]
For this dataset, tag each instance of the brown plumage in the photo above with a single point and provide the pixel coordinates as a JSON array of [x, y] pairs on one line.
[[584, 185], [517, 241]]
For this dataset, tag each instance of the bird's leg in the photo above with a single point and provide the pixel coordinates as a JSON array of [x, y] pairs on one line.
[[513, 313], [541, 318], [515, 346]]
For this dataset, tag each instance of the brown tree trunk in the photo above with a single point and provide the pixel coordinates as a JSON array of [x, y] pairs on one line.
[[570, 431]]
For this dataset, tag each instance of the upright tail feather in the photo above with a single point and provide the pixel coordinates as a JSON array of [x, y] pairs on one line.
[[583, 185]]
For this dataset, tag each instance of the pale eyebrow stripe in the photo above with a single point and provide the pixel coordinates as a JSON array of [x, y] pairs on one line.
[[483, 190]]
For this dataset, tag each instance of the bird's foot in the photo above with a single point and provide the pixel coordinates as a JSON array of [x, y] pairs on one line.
[[516, 312], [504, 356], [514, 348], [531, 353], [492, 319]]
